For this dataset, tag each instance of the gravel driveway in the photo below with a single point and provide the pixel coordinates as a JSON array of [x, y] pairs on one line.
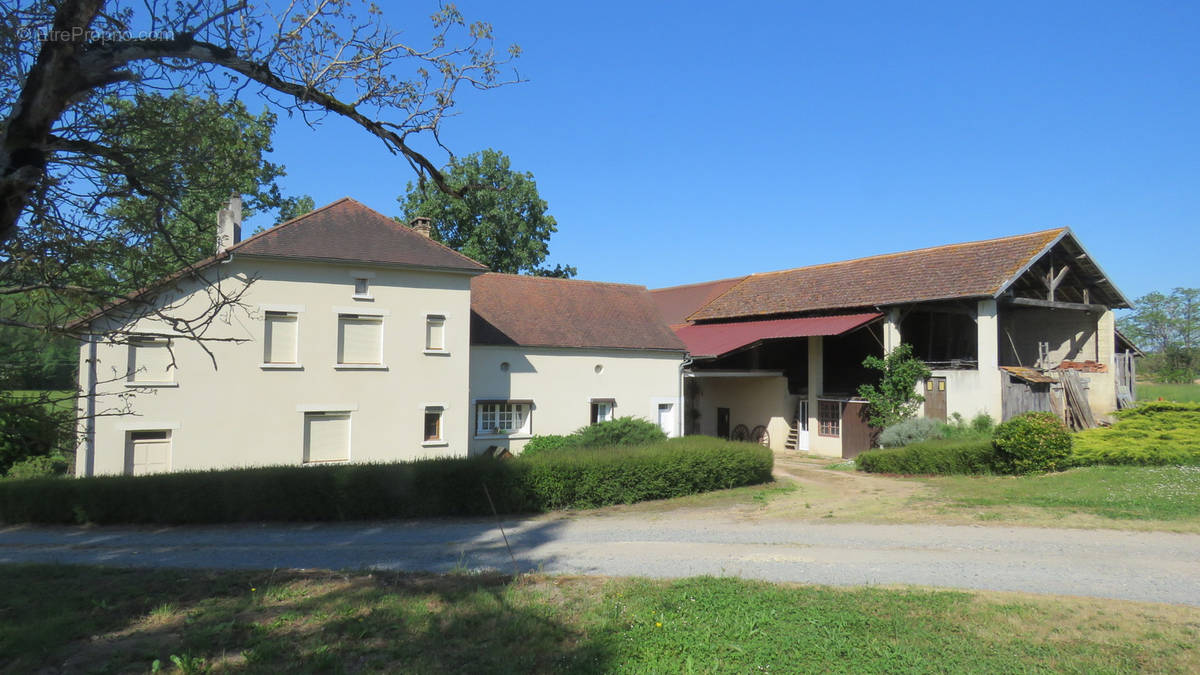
[[1149, 566]]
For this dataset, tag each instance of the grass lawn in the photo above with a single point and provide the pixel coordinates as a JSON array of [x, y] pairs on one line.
[[96, 619], [1170, 392], [63, 400], [1118, 492]]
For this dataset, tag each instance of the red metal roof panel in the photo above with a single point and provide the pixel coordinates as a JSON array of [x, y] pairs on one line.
[[714, 339]]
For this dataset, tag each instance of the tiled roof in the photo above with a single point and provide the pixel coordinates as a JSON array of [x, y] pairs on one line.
[[508, 309], [975, 269], [349, 231], [677, 303]]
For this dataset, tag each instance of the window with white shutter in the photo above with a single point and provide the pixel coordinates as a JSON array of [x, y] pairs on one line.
[[360, 339], [435, 333], [147, 452], [326, 437], [279, 337], [150, 360]]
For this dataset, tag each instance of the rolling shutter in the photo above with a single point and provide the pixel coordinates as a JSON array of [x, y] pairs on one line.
[[280, 338], [150, 360], [326, 437], [359, 339], [435, 332]]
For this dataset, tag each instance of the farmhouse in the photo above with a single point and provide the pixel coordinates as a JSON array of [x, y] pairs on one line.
[[345, 336], [777, 357]]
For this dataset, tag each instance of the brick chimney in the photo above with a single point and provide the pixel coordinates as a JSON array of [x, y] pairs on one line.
[[229, 224], [422, 226]]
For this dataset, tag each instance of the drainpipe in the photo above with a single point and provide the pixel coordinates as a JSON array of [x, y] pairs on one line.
[[687, 361], [89, 424]]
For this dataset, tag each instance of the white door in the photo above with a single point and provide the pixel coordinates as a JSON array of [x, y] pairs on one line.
[[802, 426], [666, 418], [148, 452]]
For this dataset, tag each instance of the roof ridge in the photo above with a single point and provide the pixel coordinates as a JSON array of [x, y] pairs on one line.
[[562, 279], [739, 278], [900, 253]]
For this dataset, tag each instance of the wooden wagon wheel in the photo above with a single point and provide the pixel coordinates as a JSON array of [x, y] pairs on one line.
[[759, 435], [740, 433]]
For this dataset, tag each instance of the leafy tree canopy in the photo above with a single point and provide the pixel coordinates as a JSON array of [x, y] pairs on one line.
[[895, 398], [502, 221], [1167, 325]]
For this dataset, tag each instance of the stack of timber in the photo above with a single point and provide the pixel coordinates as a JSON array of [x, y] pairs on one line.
[[1078, 412]]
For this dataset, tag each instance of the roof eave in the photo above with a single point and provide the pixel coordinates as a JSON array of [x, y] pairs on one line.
[[362, 263]]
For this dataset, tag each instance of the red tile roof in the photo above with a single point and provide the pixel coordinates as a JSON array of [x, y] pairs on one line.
[[508, 309], [975, 269], [677, 303], [348, 231], [714, 339]]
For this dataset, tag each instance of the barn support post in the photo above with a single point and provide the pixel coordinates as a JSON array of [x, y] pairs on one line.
[[991, 384]]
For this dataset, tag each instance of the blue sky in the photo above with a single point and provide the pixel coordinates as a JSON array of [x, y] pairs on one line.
[[683, 142]]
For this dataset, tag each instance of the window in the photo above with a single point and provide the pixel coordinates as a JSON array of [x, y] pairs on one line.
[[147, 452], [829, 418], [362, 287], [150, 360], [602, 410], [279, 337], [435, 333], [433, 424], [502, 417], [360, 339], [326, 437]]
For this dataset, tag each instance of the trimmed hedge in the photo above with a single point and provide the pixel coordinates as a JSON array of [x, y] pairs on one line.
[[623, 431], [1150, 434], [420, 489], [933, 457]]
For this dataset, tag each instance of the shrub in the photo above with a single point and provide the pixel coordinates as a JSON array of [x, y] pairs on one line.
[[980, 427], [1153, 433], [623, 431], [548, 443], [946, 456], [424, 488], [31, 430], [1033, 442], [41, 466], [913, 430]]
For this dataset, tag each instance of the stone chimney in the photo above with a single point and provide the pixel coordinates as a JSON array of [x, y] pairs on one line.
[[422, 226], [229, 224]]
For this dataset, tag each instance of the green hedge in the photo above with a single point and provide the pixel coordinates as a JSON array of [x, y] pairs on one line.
[[425, 488], [933, 457], [623, 431], [1152, 433]]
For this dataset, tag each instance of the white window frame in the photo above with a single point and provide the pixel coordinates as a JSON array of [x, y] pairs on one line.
[[304, 416], [430, 319], [290, 310], [608, 403], [491, 414], [168, 436], [375, 315], [440, 441], [676, 409], [367, 279], [132, 363]]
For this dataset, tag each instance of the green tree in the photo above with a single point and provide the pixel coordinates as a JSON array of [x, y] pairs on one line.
[[502, 222], [1168, 327], [895, 397]]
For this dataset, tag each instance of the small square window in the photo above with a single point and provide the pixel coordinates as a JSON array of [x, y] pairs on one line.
[[362, 287], [433, 424], [829, 418], [602, 410]]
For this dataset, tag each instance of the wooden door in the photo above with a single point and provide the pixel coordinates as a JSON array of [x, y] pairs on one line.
[[857, 433], [723, 423], [935, 398]]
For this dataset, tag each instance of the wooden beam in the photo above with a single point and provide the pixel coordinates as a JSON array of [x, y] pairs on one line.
[[1056, 279], [1053, 304]]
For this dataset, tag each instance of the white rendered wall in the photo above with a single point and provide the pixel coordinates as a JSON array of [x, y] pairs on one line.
[[238, 413], [562, 382], [752, 401]]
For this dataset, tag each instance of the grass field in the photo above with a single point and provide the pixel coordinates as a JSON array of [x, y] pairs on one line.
[[63, 400], [1186, 393], [1117, 492], [81, 619]]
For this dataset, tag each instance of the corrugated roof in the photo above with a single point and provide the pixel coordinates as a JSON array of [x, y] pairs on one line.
[[348, 231], [509, 309], [677, 303], [975, 269], [714, 339]]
